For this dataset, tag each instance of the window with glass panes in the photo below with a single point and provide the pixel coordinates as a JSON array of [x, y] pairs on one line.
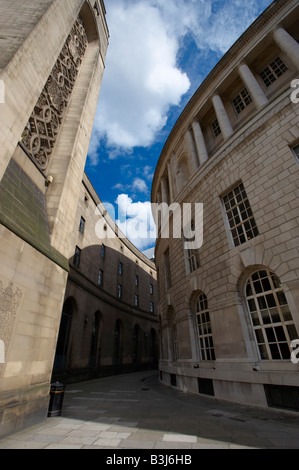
[[193, 260], [242, 100], [270, 316], [100, 277], [240, 217], [77, 257], [273, 71], [216, 128], [82, 225], [204, 328]]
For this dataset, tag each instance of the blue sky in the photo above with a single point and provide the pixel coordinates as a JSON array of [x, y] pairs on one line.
[[159, 53]]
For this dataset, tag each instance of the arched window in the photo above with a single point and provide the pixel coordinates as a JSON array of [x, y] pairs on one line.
[[270, 315], [204, 328]]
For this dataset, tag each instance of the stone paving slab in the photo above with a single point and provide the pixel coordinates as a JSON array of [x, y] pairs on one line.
[[135, 411]]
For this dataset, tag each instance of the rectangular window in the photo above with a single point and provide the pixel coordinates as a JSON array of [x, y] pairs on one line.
[[216, 128], [136, 300], [119, 291], [273, 71], [167, 269], [240, 217], [151, 289], [242, 100], [136, 280], [77, 257], [100, 277], [103, 250], [82, 225], [193, 260], [120, 268], [152, 307]]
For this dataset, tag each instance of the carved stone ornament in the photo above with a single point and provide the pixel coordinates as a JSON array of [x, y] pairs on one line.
[[41, 131], [10, 302]]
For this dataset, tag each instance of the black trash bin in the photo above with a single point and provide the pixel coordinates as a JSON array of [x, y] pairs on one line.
[[56, 399]]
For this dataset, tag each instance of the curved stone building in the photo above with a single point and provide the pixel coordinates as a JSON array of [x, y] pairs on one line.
[[109, 322], [229, 308]]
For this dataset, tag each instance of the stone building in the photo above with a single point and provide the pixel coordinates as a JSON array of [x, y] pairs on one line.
[[52, 57], [230, 307], [109, 320]]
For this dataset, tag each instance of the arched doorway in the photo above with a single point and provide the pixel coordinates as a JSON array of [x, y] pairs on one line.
[[136, 356], [63, 342], [95, 343], [153, 354], [117, 346]]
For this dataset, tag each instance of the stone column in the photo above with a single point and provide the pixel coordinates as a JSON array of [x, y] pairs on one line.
[[288, 45], [191, 148], [252, 86], [224, 122], [200, 142]]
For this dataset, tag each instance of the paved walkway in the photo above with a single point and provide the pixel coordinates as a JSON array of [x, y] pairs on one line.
[[135, 411]]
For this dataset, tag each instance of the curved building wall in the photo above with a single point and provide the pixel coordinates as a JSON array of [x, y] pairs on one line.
[[109, 321], [229, 309]]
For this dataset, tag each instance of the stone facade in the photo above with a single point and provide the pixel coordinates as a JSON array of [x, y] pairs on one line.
[[39, 48], [106, 329], [229, 309]]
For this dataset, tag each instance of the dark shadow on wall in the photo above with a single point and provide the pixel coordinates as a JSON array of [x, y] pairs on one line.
[[108, 322]]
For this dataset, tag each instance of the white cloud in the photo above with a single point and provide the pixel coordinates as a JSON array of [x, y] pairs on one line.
[[139, 185], [136, 222], [142, 79]]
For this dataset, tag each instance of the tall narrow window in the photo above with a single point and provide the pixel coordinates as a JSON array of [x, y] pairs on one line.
[[100, 278], [240, 217], [216, 128], [103, 250], [152, 307], [175, 343], [136, 300], [270, 315], [119, 291], [167, 269], [77, 257], [204, 328], [151, 289], [193, 260], [120, 268], [82, 225], [136, 280]]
